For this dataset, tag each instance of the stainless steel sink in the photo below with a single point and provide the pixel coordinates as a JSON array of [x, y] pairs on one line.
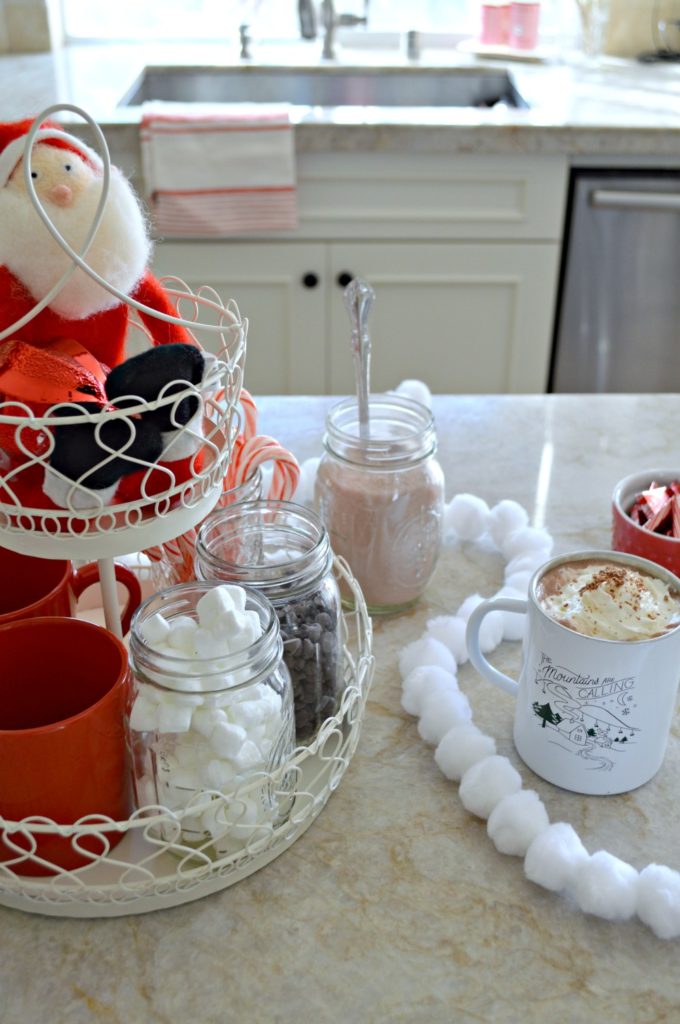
[[327, 86]]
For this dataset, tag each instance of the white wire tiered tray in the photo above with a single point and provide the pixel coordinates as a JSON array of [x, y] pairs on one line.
[[154, 865]]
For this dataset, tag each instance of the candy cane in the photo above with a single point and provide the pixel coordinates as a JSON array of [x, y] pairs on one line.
[[249, 414]]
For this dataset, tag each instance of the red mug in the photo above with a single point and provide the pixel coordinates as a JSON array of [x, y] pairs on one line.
[[64, 684], [31, 587]]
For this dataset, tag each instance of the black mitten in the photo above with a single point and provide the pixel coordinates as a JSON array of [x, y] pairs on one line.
[[164, 368]]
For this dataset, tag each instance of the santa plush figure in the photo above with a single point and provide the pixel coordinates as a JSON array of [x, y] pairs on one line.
[[67, 177]]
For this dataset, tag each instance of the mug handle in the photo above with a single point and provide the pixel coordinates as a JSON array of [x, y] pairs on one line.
[[88, 574], [483, 666]]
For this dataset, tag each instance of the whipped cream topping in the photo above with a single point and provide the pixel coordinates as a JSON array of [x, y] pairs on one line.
[[610, 601]]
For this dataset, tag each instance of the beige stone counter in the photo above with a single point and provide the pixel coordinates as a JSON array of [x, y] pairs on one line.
[[395, 906]]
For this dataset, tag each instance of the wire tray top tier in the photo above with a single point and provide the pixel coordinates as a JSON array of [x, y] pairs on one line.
[[159, 495]]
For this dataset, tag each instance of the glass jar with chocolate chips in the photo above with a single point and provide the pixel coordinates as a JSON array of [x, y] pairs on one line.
[[282, 550]]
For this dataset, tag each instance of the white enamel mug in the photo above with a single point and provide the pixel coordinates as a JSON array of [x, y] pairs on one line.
[[592, 715]]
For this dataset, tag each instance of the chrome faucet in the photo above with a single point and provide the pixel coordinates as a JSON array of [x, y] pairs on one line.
[[331, 21], [307, 17]]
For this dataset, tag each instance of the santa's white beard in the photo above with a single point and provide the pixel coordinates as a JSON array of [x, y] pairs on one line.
[[119, 252]]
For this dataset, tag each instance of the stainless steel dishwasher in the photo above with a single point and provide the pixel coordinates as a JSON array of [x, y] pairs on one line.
[[618, 311]]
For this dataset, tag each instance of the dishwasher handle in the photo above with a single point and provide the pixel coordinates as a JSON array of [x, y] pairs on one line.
[[622, 199]]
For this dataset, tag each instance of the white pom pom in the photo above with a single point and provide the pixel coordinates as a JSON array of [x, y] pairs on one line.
[[450, 630], [421, 682], [527, 562], [486, 783], [515, 822], [527, 538], [506, 517], [426, 651], [460, 748], [658, 900], [513, 622], [491, 631], [519, 581], [417, 390], [441, 712], [468, 606], [554, 856], [467, 515], [605, 886]]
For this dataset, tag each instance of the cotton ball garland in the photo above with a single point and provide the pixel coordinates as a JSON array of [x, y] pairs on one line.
[[417, 390], [485, 784], [658, 900], [605, 886], [468, 606], [505, 517], [519, 581], [450, 630], [530, 561], [426, 651], [515, 822], [554, 857], [467, 515], [423, 681], [460, 748], [441, 712]]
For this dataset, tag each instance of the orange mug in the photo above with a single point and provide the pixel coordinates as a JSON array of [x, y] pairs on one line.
[[64, 684], [31, 587]]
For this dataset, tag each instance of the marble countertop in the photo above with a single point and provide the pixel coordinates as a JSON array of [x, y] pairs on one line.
[[395, 906], [610, 108]]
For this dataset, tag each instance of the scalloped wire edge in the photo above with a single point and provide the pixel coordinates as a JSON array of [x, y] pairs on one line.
[[344, 727]]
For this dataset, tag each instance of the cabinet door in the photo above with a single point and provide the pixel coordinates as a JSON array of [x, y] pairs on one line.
[[287, 332], [464, 318]]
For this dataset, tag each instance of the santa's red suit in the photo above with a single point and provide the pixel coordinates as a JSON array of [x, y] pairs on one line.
[[67, 178]]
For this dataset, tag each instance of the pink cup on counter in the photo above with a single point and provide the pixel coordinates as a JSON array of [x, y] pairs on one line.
[[495, 24], [524, 19]]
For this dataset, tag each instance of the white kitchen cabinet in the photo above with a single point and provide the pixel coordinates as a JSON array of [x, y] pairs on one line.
[[462, 251]]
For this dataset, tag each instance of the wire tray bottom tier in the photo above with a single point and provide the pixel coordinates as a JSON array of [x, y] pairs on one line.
[[155, 865]]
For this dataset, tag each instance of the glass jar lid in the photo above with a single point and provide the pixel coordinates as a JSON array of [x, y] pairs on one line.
[[400, 431]]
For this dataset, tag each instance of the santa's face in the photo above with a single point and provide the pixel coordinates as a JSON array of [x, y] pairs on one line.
[[69, 190]]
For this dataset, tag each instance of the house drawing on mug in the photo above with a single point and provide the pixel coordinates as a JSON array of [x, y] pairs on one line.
[[574, 708]]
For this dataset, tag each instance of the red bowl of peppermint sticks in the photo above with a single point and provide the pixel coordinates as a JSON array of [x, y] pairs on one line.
[[646, 516]]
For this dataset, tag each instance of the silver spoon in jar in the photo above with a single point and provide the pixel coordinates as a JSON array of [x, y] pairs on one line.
[[359, 297]]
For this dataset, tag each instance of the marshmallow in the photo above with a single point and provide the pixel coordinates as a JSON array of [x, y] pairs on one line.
[[173, 717], [227, 739], [156, 630], [144, 714], [216, 602], [515, 822], [209, 645], [426, 651], [205, 720], [421, 682], [248, 757], [218, 773], [605, 886], [554, 856], [181, 635], [460, 748], [417, 390], [304, 493], [450, 631], [484, 785], [658, 900], [442, 711]]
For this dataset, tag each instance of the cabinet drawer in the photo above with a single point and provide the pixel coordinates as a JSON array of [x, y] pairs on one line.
[[430, 196]]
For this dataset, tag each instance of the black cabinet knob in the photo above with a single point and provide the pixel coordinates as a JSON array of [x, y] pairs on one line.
[[344, 278], [310, 280]]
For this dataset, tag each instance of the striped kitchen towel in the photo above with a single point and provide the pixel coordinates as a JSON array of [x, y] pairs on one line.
[[223, 170]]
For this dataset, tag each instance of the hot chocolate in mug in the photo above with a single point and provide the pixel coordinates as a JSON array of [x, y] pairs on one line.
[[600, 669]]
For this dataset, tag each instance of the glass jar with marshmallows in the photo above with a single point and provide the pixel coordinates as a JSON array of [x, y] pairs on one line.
[[210, 722]]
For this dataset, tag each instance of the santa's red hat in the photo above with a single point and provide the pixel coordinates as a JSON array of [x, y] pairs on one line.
[[13, 142]]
